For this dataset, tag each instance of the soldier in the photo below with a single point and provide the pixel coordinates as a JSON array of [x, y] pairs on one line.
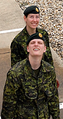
[[30, 90], [18, 45]]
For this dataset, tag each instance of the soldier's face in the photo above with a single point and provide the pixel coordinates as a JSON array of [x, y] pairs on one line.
[[32, 20], [36, 47]]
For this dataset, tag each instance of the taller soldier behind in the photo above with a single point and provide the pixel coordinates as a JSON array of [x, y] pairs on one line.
[[18, 45]]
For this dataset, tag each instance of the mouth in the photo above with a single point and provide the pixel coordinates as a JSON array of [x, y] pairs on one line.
[[34, 24], [35, 49]]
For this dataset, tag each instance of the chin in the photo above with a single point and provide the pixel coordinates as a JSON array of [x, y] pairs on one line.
[[37, 55], [34, 26]]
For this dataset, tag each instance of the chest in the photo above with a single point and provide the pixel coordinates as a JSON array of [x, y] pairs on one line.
[[35, 87]]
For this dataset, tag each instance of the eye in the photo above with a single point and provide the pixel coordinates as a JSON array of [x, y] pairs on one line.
[[39, 42], [32, 42], [37, 16], [31, 16]]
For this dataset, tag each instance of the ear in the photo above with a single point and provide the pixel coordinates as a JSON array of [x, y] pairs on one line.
[[45, 49], [27, 48], [24, 18]]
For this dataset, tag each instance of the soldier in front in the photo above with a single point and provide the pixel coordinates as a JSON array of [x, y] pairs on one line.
[[30, 90]]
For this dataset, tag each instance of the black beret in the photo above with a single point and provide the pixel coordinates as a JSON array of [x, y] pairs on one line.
[[31, 9], [36, 35]]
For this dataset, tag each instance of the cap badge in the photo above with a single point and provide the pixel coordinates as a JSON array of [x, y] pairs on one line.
[[37, 9], [40, 35]]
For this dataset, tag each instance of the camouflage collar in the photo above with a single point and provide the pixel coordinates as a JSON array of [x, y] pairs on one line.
[[43, 68]]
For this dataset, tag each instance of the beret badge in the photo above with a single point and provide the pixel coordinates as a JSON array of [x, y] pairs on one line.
[[40, 35], [37, 9]]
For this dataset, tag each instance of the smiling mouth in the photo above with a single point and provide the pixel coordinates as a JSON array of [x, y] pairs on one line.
[[35, 49], [34, 24]]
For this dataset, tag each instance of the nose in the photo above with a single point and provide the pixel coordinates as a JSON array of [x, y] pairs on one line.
[[36, 43], [34, 18]]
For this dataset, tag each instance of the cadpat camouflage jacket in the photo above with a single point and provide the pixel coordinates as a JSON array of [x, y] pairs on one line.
[[29, 97], [19, 47]]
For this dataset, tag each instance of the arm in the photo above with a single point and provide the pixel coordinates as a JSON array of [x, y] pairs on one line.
[[10, 97], [48, 55], [53, 99], [17, 52]]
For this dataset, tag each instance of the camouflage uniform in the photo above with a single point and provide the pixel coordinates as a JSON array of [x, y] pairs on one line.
[[19, 47], [27, 96]]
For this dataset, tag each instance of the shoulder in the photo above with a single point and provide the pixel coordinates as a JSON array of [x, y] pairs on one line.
[[48, 70], [47, 67], [43, 31], [17, 68], [19, 36]]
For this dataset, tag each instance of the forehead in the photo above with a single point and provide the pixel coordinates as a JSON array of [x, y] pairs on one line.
[[31, 14], [36, 40]]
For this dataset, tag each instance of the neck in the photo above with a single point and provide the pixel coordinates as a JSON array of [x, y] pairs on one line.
[[35, 62], [30, 30]]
